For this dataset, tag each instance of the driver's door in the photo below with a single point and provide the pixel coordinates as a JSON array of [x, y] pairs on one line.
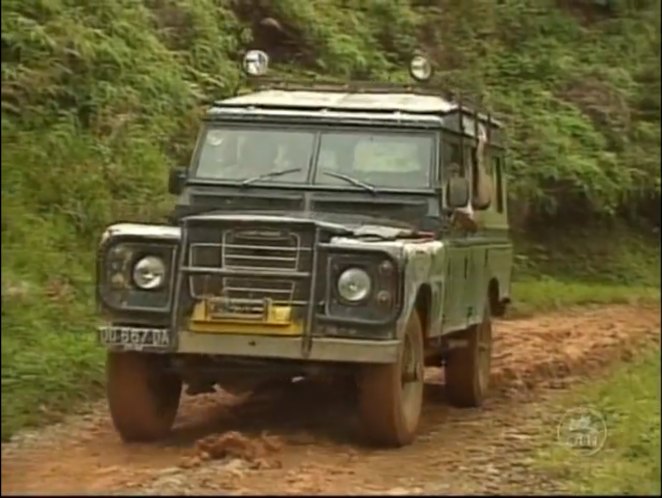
[[458, 260]]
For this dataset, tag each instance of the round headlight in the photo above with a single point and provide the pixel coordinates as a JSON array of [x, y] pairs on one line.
[[354, 285], [149, 273], [420, 68]]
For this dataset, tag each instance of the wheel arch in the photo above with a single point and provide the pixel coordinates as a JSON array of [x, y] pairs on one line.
[[497, 303], [423, 306]]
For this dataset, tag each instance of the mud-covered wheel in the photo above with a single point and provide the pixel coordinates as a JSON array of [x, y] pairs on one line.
[[143, 396], [391, 396], [467, 371]]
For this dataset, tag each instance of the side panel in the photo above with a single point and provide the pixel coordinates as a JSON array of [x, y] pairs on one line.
[[476, 283], [457, 271], [494, 224], [472, 263], [439, 285], [500, 264]]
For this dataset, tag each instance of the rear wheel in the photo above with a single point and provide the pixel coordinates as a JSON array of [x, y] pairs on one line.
[[143, 396], [467, 371], [391, 396]]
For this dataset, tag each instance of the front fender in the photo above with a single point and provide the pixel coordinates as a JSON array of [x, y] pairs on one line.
[[423, 272], [422, 265]]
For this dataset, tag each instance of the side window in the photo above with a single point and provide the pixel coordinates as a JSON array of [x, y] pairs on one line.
[[497, 171], [481, 178], [469, 161], [451, 156]]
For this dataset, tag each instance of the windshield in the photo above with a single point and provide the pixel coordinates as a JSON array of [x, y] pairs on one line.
[[240, 154], [376, 159], [392, 160]]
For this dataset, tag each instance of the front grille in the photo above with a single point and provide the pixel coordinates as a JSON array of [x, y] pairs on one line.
[[255, 249], [246, 252]]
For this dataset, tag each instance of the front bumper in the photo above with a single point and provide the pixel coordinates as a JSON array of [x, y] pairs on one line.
[[322, 349]]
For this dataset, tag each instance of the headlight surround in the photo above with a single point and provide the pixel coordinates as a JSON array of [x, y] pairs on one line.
[[354, 285], [125, 282], [149, 273], [363, 286]]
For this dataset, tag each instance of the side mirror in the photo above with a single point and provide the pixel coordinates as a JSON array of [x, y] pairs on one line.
[[176, 180], [457, 192]]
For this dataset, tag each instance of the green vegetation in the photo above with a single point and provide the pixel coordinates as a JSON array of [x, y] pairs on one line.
[[100, 98], [629, 463], [568, 265], [550, 294]]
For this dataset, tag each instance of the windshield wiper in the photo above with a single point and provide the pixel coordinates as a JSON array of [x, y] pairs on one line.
[[353, 181], [271, 174]]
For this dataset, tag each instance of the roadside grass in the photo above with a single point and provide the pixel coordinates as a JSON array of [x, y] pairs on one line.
[[50, 362], [629, 463], [612, 253], [575, 266], [549, 294]]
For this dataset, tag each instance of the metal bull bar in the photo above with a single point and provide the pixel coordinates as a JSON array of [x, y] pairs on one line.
[[184, 270]]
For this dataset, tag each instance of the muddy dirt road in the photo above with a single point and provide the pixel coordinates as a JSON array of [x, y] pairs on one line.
[[303, 439]]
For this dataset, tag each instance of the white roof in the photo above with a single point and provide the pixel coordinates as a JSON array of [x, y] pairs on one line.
[[345, 115], [404, 102]]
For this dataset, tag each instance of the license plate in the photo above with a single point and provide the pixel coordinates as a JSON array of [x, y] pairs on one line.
[[237, 308], [134, 338]]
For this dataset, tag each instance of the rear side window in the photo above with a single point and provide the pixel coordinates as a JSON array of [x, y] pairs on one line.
[[497, 171]]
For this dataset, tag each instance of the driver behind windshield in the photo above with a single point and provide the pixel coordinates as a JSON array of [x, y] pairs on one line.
[[257, 158], [244, 154], [375, 159], [295, 153]]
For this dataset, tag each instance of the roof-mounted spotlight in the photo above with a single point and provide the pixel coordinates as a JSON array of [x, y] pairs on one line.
[[256, 63], [420, 68]]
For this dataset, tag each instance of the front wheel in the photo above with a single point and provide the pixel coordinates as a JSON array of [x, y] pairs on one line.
[[391, 396], [467, 371], [143, 396]]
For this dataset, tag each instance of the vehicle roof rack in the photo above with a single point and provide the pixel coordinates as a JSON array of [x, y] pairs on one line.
[[464, 105], [357, 86]]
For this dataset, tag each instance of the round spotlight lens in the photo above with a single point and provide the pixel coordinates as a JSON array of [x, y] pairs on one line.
[[149, 273], [256, 63], [420, 68], [354, 285]]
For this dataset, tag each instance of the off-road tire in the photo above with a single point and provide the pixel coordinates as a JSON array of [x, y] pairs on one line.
[[390, 409], [467, 371], [143, 396]]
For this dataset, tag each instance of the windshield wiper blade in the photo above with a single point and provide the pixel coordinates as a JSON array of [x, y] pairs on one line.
[[353, 181], [271, 174]]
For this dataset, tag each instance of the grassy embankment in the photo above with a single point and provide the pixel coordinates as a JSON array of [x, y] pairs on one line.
[[560, 268], [99, 98], [629, 463]]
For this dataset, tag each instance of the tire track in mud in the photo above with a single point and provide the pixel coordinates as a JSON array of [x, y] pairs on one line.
[[316, 447]]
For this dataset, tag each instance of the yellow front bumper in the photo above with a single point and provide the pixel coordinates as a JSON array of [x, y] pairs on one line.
[[277, 321]]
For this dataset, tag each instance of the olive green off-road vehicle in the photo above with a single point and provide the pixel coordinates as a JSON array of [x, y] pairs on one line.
[[344, 229]]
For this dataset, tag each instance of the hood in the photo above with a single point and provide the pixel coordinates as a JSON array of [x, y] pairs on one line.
[[354, 225], [387, 215]]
